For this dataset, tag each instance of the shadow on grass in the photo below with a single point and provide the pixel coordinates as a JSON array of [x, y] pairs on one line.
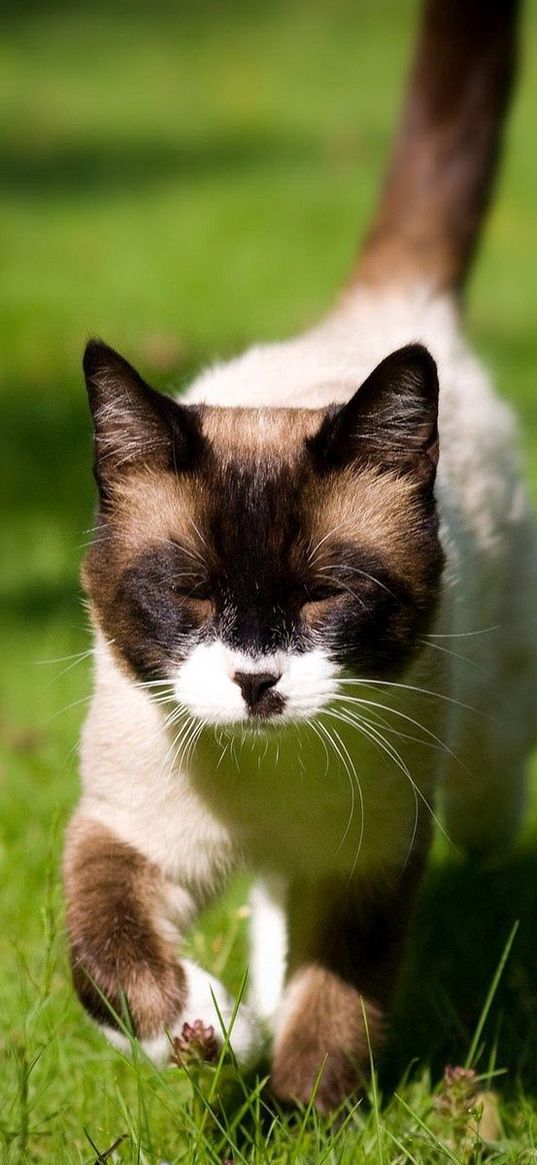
[[116, 166], [46, 452], [193, 10], [36, 601], [464, 919]]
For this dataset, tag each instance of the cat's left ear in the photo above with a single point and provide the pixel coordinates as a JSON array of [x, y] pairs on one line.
[[390, 422]]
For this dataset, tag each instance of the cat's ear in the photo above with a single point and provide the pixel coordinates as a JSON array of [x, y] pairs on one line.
[[134, 424], [391, 421]]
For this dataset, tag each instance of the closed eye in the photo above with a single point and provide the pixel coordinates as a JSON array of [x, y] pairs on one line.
[[195, 590], [318, 592]]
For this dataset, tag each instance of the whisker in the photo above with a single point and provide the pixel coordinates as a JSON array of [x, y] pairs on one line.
[[344, 587], [454, 654], [351, 772], [67, 707], [179, 716], [77, 658], [341, 566], [314, 727], [334, 530], [381, 722], [197, 530], [76, 655], [378, 741], [391, 752], [462, 634], [404, 716], [414, 688]]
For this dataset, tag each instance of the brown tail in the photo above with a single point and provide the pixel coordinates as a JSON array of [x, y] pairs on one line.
[[446, 150]]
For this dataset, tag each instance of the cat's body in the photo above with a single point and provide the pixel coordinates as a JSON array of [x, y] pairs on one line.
[[332, 815], [485, 623]]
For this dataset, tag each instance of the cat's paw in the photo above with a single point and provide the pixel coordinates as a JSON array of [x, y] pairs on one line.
[[321, 1048], [303, 1072], [205, 1022]]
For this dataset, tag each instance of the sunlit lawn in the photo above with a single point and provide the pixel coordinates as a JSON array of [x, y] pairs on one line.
[[184, 179]]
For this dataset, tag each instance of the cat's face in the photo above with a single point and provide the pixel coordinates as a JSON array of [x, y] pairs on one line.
[[249, 557]]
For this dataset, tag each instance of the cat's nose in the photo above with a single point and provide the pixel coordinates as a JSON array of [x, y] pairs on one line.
[[254, 685]]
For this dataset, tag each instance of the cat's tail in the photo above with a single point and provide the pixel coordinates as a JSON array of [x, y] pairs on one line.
[[446, 149]]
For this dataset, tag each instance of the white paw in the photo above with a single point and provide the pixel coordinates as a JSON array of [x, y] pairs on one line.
[[203, 990]]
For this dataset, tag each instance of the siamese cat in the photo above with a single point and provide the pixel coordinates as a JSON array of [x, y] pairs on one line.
[[313, 590]]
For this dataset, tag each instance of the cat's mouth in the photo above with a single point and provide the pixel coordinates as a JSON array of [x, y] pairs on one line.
[[257, 723]]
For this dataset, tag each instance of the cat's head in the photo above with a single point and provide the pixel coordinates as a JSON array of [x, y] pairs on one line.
[[250, 556]]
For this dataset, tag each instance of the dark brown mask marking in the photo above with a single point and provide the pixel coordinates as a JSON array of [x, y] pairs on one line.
[[270, 530]]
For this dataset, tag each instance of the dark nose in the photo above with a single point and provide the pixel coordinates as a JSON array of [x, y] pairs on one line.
[[253, 685]]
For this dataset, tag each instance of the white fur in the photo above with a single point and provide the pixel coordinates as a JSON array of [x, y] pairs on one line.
[[205, 683], [268, 938], [203, 992], [135, 786]]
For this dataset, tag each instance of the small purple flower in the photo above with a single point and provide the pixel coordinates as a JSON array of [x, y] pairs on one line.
[[197, 1044], [458, 1091]]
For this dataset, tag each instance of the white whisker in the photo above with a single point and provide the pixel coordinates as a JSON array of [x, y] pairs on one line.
[[351, 772], [404, 716], [462, 634], [454, 654], [413, 688]]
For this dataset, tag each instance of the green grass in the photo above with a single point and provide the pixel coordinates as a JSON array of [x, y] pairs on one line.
[[184, 179]]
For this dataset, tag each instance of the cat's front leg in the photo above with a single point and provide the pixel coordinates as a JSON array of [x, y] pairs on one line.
[[345, 947], [124, 922]]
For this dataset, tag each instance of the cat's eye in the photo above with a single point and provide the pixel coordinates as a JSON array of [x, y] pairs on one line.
[[318, 592], [193, 590]]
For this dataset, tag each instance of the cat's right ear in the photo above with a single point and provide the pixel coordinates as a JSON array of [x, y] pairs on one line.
[[134, 425], [390, 423]]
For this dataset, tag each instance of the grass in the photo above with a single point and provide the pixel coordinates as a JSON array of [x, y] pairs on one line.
[[184, 179]]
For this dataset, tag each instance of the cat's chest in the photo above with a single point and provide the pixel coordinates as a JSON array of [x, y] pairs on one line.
[[314, 802]]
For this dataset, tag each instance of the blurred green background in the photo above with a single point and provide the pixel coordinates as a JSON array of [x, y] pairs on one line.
[[183, 179]]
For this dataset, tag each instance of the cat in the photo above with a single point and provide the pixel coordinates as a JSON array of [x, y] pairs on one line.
[[312, 586]]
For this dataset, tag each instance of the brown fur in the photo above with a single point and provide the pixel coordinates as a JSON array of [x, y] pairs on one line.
[[324, 1046], [341, 979], [445, 155], [264, 432], [114, 898], [378, 511], [149, 504]]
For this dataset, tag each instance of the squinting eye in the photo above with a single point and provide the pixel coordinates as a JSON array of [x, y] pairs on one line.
[[321, 591], [196, 590]]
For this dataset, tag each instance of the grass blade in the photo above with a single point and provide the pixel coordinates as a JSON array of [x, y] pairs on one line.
[[490, 998]]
